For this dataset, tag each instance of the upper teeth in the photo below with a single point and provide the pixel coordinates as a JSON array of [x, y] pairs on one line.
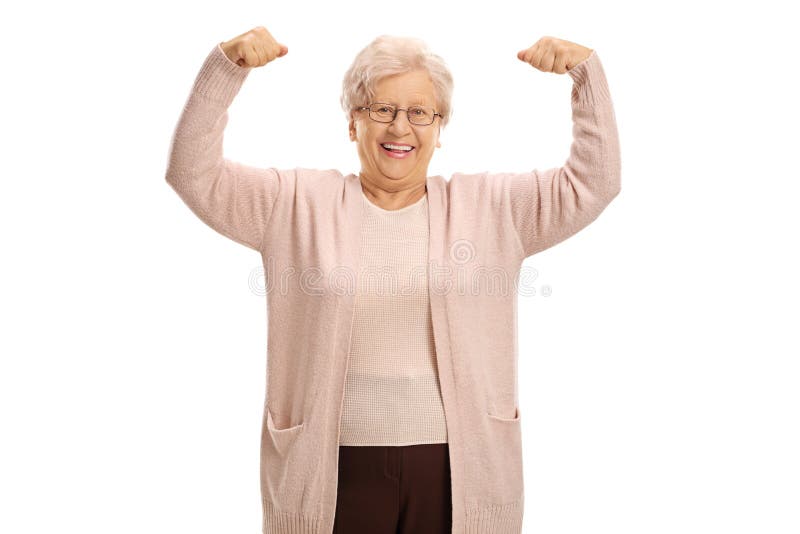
[[397, 147]]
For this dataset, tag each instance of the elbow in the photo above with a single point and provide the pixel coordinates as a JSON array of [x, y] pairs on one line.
[[172, 179], [614, 180], [171, 176], [179, 164], [178, 170], [177, 182], [609, 191], [614, 190], [610, 194]]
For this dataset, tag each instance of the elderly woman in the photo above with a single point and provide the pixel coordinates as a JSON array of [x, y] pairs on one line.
[[391, 397]]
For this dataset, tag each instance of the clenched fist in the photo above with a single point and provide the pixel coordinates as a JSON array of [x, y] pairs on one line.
[[549, 54], [254, 48]]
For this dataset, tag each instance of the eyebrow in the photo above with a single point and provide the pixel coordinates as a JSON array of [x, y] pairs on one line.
[[414, 103]]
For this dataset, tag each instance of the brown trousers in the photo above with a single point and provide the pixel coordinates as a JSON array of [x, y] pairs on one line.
[[394, 490]]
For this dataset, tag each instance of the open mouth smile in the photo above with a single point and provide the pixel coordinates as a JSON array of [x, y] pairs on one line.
[[397, 150]]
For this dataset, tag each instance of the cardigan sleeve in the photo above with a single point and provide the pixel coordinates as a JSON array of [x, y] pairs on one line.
[[548, 206], [234, 199]]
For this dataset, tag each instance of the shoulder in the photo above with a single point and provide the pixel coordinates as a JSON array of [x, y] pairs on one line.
[[484, 184], [461, 183], [310, 185], [325, 175], [303, 174], [311, 179]]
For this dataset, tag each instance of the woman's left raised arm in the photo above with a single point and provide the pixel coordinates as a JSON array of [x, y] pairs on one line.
[[551, 205]]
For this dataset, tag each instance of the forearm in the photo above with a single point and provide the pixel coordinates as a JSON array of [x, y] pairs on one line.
[[548, 206], [593, 166], [232, 198]]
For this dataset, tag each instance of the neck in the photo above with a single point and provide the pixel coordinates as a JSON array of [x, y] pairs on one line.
[[392, 199]]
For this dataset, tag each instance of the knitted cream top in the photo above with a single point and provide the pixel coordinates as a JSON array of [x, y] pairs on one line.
[[392, 394]]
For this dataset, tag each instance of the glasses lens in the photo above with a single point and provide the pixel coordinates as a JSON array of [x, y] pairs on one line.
[[420, 115], [382, 112]]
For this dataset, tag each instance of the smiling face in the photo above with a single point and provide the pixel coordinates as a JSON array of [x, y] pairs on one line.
[[389, 170]]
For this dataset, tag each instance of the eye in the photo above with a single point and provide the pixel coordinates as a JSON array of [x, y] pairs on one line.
[[418, 111]]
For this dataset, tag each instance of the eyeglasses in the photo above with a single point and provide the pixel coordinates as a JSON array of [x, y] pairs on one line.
[[419, 115]]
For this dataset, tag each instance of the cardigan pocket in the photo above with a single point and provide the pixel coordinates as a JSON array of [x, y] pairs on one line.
[[498, 479], [282, 438], [514, 419]]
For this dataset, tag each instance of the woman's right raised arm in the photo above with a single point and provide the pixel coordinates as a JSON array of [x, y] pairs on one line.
[[234, 199]]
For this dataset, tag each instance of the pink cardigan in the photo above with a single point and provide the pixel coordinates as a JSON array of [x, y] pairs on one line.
[[306, 224]]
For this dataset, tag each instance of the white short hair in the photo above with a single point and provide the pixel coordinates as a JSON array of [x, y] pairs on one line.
[[388, 55]]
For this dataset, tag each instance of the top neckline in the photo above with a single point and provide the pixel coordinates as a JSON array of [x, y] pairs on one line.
[[422, 199]]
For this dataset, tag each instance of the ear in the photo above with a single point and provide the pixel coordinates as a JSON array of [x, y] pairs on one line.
[[352, 128], [438, 134]]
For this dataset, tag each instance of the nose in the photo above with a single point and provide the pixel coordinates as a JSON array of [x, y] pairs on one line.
[[398, 124]]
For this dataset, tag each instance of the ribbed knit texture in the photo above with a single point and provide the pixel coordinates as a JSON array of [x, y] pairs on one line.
[[392, 394]]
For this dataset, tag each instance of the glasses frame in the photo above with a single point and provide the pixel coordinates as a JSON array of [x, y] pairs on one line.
[[396, 109]]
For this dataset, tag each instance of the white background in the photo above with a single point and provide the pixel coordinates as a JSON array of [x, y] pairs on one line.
[[658, 382]]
